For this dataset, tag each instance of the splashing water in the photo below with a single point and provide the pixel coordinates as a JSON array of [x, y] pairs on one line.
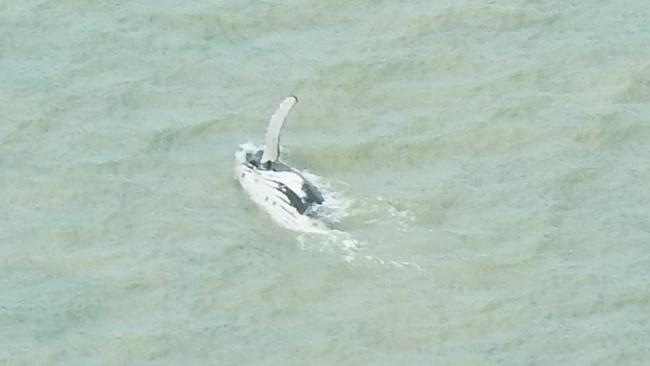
[[334, 209]]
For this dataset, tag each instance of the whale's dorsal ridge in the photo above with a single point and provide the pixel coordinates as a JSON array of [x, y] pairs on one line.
[[272, 141]]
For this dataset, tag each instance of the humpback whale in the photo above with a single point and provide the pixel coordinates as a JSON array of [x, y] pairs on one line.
[[285, 194]]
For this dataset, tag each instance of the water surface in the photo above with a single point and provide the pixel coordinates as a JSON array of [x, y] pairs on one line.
[[494, 157]]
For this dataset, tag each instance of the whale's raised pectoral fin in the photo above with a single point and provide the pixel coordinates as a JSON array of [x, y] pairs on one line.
[[272, 142]]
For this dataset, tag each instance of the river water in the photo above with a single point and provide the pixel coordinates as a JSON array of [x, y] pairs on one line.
[[491, 160]]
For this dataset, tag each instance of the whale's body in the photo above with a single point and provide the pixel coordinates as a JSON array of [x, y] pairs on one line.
[[286, 195]]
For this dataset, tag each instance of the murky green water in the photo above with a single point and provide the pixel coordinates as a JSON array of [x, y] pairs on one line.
[[495, 157]]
